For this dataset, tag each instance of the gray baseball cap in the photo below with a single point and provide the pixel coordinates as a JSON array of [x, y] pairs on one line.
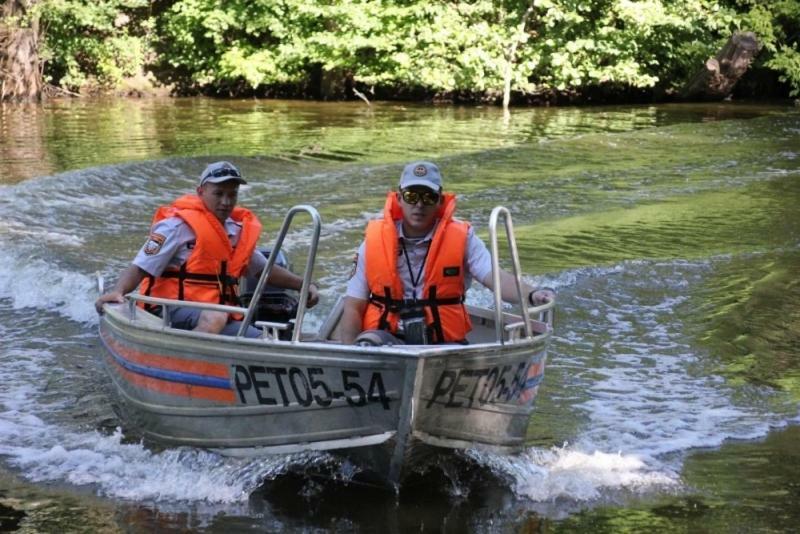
[[422, 173], [220, 171]]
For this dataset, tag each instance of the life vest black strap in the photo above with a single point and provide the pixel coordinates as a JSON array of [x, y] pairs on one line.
[[383, 322], [227, 280], [227, 284], [436, 324], [181, 278], [390, 305], [152, 308], [223, 276], [398, 305]]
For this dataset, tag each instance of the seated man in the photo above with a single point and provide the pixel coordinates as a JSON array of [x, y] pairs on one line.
[[198, 248], [415, 265]]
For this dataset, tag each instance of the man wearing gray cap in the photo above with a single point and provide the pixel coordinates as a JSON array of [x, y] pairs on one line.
[[197, 249], [415, 265]]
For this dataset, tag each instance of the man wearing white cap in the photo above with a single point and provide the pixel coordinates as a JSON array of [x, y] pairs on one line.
[[197, 249], [415, 265]]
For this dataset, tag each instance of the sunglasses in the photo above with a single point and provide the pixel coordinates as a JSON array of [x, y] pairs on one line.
[[429, 198], [219, 173]]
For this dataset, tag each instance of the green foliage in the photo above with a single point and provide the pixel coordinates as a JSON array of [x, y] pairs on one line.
[[440, 46], [626, 42], [99, 42], [469, 46], [777, 25], [786, 61]]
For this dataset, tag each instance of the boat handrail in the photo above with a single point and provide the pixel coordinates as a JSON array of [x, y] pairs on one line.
[[133, 298], [271, 329], [545, 312], [512, 245], [312, 255]]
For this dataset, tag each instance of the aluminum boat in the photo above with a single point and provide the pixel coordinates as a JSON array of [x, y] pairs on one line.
[[385, 407]]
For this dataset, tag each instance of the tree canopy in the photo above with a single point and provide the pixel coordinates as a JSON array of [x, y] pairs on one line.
[[476, 48]]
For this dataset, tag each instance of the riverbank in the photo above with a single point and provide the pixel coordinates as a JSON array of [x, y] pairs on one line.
[[759, 85]]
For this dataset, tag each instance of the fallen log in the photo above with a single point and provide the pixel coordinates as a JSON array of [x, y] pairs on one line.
[[716, 79]]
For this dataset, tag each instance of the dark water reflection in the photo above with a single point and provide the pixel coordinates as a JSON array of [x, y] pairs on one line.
[[671, 232]]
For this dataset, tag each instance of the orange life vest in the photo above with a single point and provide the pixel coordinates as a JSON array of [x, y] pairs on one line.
[[212, 270], [442, 297]]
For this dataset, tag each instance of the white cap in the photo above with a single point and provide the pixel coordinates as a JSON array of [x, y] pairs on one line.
[[220, 171], [422, 173]]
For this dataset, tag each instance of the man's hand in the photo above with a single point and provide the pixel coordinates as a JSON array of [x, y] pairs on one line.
[[111, 296], [128, 281], [313, 295], [281, 277]]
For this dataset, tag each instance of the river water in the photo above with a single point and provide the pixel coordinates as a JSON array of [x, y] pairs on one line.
[[672, 234]]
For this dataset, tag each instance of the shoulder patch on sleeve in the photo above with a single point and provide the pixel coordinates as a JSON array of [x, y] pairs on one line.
[[355, 265], [154, 243]]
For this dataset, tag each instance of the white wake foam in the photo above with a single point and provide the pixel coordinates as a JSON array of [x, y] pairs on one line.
[[43, 285], [45, 451]]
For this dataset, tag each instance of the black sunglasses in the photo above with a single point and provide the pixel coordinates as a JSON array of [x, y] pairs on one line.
[[429, 198], [219, 173]]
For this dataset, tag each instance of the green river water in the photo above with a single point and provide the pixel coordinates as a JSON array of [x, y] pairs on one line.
[[671, 232]]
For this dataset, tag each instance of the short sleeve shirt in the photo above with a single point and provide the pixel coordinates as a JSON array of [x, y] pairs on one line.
[[171, 241], [477, 264]]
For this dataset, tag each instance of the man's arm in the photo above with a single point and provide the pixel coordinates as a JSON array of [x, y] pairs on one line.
[[350, 323], [479, 262], [167, 238], [508, 289], [285, 278], [128, 281]]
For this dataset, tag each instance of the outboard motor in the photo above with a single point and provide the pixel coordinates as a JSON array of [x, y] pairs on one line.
[[276, 305]]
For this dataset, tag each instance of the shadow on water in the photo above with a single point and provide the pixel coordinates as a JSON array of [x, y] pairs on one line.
[[449, 497], [10, 518]]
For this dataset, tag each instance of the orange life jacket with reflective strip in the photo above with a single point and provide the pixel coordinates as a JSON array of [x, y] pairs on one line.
[[442, 297], [212, 270]]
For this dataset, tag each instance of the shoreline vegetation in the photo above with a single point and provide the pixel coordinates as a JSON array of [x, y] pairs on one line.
[[532, 52]]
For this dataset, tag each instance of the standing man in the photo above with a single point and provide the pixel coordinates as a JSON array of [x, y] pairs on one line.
[[415, 265], [198, 248]]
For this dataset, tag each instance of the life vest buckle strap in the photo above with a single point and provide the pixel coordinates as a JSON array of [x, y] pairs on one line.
[[200, 277], [400, 305]]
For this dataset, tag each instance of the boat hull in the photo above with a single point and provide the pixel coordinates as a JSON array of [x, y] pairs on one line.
[[383, 406]]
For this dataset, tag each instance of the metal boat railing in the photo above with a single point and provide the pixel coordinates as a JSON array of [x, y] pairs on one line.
[[544, 310], [503, 332], [250, 311], [312, 256]]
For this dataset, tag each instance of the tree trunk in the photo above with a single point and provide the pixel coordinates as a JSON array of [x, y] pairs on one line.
[[511, 56], [333, 84], [716, 79], [20, 70]]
